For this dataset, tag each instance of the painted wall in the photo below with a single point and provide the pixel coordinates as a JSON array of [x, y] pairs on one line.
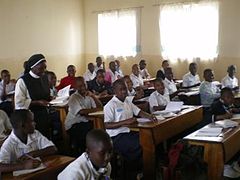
[[229, 37], [52, 27]]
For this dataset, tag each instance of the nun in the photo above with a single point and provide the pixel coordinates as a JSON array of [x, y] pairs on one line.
[[32, 92]]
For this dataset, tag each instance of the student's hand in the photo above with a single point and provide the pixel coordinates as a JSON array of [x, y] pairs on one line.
[[152, 117], [43, 103], [89, 93], [130, 121], [31, 163], [104, 93]]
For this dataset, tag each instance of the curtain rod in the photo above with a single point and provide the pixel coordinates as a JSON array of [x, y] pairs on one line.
[[109, 10], [178, 2]]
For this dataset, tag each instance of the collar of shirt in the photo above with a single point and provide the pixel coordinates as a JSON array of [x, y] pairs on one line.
[[34, 75], [118, 100], [18, 142], [231, 79], [168, 81]]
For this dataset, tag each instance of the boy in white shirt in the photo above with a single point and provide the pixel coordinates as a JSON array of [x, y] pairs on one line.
[[90, 74], [118, 69], [169, 83], [99, 64], [136, 77], [24, 144], [159, 99], [81, 103], [230, 80], [118, 114], [129, 84], [94, 163], [143, 70], [191, 79]]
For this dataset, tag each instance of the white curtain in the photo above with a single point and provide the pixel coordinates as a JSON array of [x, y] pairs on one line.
[[189, 30], [117, 33]]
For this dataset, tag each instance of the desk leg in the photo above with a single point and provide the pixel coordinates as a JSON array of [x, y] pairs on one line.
[[149, 156], [98, 123]]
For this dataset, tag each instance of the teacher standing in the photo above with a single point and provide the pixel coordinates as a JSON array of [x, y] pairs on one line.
[[32, 92]]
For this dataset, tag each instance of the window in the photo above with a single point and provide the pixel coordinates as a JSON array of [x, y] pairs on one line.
[[189, 31], [117, 33]]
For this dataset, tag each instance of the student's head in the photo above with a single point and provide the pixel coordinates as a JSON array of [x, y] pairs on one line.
[[52, 78], [128, 82], [5, 76], [112, 66], [135, 69], [139, 92], [208, 75], [80, 85], [71, 70], [120, 89], [100, 76], [91, 67], [232, 70], [99, 147], [159, 86], [193, 68], [23, 120], [142, 64], [169, 73], [227, 96], [165, 64], [37, 64], [99, 61], [117, 63]]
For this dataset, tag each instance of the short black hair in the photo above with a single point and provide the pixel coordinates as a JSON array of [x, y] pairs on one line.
[[142, 61], [207, 71], [71, 66], [100, 71], [126, 77], [50, 73], [96, 136], [19, 117], [231, 67], [4, 71], [99, 57], [192, 64], [226, 90], [117, 83], [79, 78], [158, 80], [164, 61]]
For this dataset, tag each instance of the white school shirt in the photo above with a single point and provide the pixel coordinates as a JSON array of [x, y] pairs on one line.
[[116, 111], [4, 124], [97, 68], [157, 99], [76, 103], [13, 148], [170, 85], [88, 76], [9, 88], [136, 80], [119, 72], [227, 81], [190, 80], [82, 169], [131, 93], [144, 73], [22, 98]]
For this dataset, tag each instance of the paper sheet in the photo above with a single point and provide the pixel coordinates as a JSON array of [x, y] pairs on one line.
[[143, 120], [227, 123], [209, 132], [62, 96], [28, 171], [64, 91], [174, 106]]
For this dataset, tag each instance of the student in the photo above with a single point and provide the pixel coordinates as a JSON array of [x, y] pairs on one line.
[[52, 79], [161, 72], [69, 79], [143, 70], [208, 90], [159, 99], [90, 74], [191, 79], [136, 77], [6, 87], [230, 80], [94, 163], [99, 64], [32, 92], [223, 108], [98, 85], [129, 84], [111, 74], [80, 104], [118, 69], [5, 125], [169, 83], [24, 144], [118, 114]]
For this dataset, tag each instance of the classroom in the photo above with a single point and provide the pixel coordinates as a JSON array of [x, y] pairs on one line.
[[119, 89]]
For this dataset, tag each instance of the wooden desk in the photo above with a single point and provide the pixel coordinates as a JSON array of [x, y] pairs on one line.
[[217, 150], [55, 164], [98, 119]]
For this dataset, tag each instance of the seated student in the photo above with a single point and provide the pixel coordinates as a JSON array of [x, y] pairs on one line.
[[118, 114], [161, 72], [52, 79], [136, 77], [69, 79], [118, 69], [159, 99], [111, 75], [24, 144], [230, 79], [169, 83], [223, 108], [99, 64], [129, 84], [80, 104], [143, 70], [90, 74], [6, 86], [98, 85], [94, 163], [208, 90], [191, 79], [5, 125]]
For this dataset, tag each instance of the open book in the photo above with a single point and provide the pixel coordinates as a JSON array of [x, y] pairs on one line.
[[62, 96]]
